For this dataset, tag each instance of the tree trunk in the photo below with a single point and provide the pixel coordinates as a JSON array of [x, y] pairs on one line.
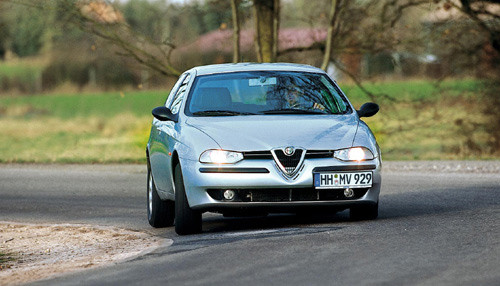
[[329, 38], [276, 28], [236, 31], [264, 15]]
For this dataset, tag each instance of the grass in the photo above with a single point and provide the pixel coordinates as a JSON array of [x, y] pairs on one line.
[[414, 90], [84, 128], [425, 122], [105, 105]]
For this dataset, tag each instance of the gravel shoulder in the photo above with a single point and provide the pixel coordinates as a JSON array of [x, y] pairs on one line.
[[44, 251], [485, 167], [441, 166]]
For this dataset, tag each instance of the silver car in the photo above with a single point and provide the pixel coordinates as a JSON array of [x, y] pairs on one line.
[[257, 138]]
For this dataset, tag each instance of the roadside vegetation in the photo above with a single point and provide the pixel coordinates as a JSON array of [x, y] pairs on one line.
[[5, 260], [105, 127], [419, 119], [21, 76], [432, 66]]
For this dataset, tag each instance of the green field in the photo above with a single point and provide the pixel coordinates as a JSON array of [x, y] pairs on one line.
[[421, 120], [105, 127]]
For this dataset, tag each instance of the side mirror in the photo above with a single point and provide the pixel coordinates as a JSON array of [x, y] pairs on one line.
[[368, 109], [164, 114]]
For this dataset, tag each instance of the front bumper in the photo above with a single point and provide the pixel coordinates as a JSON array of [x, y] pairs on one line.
[[251, 176]]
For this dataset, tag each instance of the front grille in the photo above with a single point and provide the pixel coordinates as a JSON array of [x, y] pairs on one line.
[[290, 163], [257, 155], [265, 196], [310, 154], [287, 195]]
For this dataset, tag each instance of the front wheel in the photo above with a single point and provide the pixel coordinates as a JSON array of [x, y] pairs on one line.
[[160, 213], [187, 220], [366, 212]]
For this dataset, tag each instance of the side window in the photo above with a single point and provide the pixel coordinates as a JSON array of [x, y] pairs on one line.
[[176, 101], [186, 80], [338, 104], [176, 104], [173, 92]]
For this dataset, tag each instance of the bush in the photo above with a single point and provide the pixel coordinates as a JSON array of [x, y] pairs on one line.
[[20, 76], [83, 68]]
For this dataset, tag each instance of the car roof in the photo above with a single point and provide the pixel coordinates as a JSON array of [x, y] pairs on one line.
[[241, 67]]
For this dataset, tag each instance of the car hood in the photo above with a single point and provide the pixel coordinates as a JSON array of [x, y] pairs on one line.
[[265, 132]]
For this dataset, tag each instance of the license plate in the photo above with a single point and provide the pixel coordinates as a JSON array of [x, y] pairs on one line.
[[343, 180]]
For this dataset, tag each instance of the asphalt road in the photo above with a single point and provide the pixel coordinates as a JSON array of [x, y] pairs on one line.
[[439, 224]]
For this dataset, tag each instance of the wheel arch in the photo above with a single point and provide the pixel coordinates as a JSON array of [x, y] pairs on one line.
[[147, 158], [175, 161]]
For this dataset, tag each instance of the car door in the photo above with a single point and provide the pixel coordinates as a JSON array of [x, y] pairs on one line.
[[165, 135]]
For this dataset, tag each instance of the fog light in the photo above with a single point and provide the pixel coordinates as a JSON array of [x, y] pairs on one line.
[[348, 193], [229, 195]]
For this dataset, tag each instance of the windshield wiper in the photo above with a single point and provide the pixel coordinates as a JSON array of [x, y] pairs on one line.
[[222, 113], [293, 111]]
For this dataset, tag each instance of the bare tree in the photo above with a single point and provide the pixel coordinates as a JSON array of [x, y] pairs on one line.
[[100, 18], [334, 9], [114, 29], [485, 13]]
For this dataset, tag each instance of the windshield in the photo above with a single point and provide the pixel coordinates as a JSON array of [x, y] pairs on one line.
[[270, 92]]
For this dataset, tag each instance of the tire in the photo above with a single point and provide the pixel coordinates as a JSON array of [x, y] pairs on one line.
[[160, 213], [187, 220], [367, 212]]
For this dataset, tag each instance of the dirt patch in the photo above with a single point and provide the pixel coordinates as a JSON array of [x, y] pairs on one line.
[[43, 251]]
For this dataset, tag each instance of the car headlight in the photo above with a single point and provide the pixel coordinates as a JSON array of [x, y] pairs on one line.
[[354, 154], [220, 157]]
